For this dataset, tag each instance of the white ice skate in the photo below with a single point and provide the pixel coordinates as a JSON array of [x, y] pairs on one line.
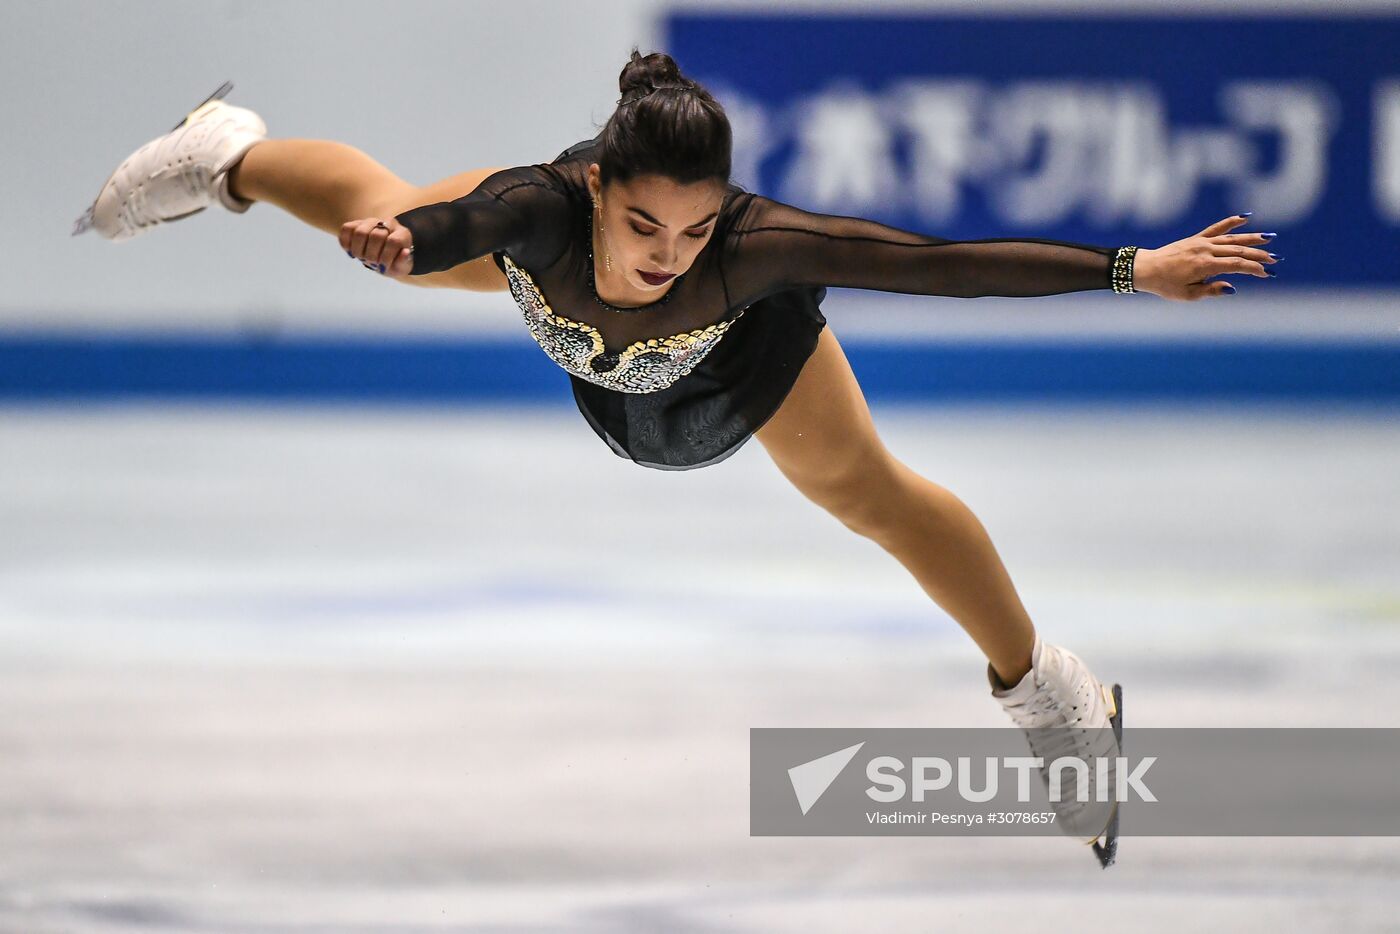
[[178, 174], [1065, 711]]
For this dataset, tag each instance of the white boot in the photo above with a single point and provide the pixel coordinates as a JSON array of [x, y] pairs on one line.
[[178, 174], [1065, 711]]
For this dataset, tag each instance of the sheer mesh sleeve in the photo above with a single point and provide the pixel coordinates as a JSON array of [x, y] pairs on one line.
[[777, 246], [520, 211]]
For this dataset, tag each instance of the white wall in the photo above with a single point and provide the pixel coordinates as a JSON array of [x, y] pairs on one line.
[[428, 87]]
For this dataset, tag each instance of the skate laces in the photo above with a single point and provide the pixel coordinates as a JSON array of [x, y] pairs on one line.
[[1056, 727], [156, 204], [182, 183], [1050, 725]]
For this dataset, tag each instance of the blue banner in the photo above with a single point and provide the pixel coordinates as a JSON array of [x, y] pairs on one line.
[[1099, 130]]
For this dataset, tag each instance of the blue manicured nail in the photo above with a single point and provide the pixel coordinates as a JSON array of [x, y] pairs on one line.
[[1268, 236], [381, 267], [349, 254], [1245, 214], [1275, 257], [1272, 274], [1228, 290]]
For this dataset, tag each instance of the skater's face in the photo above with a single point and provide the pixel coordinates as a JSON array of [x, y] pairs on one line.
[[654, 224]]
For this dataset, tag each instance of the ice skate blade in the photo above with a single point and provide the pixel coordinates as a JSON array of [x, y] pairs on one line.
[[1107, 851], [219, 94], [83, 224]]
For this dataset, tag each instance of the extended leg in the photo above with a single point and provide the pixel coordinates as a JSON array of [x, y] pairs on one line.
[[824, 441], [326, 183]]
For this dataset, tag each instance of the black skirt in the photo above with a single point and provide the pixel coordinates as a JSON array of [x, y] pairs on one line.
[[709, 413]]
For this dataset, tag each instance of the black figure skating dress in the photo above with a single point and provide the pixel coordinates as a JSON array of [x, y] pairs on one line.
[[684, 381]]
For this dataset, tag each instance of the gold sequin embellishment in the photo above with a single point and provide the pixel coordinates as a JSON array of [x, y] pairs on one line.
[[644, 366]]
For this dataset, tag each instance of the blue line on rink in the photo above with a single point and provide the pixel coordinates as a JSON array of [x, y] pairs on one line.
[[40, 367]]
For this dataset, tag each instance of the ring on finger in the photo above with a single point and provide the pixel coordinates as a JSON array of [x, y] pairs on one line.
[[380, 226]]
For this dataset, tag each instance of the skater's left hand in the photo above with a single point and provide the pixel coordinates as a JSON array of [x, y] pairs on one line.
[[1179, 270]]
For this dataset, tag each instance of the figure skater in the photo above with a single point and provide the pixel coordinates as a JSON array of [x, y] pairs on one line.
[[686, 312]]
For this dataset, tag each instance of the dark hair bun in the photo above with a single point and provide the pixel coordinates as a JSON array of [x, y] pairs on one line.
[[646, 73], [681, 132]]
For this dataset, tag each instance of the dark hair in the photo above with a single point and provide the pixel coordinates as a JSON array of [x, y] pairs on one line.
[[664, 124]]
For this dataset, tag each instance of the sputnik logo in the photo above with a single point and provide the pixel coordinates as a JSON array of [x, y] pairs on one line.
[[810, 780]]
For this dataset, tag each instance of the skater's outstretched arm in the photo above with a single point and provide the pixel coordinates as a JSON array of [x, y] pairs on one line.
[[776, 246], [520, 210]]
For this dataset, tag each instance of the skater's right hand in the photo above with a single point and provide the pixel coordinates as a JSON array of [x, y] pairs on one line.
[[380, 244]]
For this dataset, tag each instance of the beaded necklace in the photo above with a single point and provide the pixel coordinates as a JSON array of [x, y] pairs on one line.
[[593, 285]]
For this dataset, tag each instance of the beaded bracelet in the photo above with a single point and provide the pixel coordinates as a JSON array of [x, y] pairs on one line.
[[1122, 273]]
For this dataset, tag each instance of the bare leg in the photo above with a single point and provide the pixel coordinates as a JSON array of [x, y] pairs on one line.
[[824, 441], [326, 183]]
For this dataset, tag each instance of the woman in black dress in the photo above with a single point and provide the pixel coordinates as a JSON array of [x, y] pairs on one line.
[[687, 313]]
